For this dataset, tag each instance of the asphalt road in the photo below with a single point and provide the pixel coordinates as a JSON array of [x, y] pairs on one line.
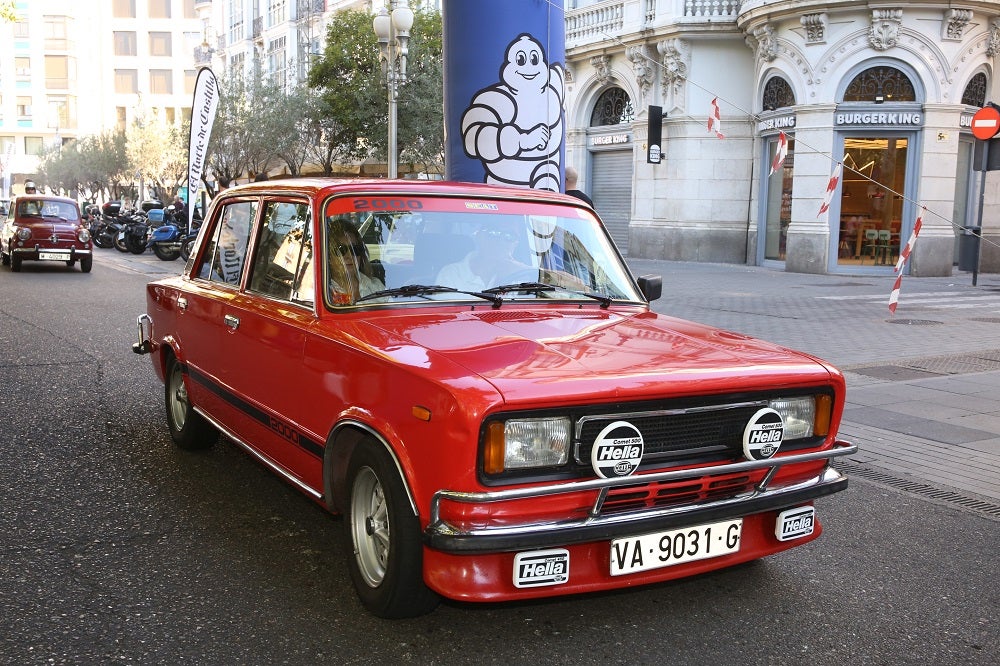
[[117, 548]]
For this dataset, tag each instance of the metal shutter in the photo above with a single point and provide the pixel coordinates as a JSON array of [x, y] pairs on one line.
[[612, 192]]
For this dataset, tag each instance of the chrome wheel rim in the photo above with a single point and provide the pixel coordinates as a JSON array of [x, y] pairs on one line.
[[178, 398], [370, 526]]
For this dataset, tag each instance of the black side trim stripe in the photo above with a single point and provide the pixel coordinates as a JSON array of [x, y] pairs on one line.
[[282, 428]]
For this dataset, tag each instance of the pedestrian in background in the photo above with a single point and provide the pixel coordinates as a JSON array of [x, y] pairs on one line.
[[571, 178]]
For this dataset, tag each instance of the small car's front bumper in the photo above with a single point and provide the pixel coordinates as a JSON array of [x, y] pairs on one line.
[[765, 496], [39, 253]]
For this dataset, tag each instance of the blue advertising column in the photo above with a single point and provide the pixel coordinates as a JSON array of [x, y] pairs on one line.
[[504, 92]]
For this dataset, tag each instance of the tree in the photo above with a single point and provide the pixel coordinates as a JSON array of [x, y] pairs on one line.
[[158, 152], [352, 91]]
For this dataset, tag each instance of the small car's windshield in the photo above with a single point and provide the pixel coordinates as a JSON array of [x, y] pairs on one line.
[[43, 208], [387, 250]]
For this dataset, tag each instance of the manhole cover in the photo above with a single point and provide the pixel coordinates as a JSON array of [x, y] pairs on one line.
[[988, 320], [913, 322], [894, 373]]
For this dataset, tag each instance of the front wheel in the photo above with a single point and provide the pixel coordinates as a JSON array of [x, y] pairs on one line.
[[386, 563], [188, 428], [86, 263]]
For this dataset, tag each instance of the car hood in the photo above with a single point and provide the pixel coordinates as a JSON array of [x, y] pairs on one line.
[[528, 355]]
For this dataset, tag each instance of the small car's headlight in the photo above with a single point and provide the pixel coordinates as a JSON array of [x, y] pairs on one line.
[[526, 443], [83, 235], [24, 233], [804, 416]]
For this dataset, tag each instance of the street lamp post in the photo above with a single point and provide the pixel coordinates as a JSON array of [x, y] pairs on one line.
[[392, 27]]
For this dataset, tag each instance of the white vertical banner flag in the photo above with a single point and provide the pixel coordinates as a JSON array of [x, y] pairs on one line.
[[203, 108]]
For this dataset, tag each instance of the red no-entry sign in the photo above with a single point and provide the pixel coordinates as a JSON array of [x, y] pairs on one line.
[[986, 123]]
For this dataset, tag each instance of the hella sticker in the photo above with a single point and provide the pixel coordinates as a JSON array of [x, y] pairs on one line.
[[617, 450], [762, 436], [795, 523], [541, 567]]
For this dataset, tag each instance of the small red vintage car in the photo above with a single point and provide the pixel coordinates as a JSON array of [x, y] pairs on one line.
[[45, 228], [475, 380]]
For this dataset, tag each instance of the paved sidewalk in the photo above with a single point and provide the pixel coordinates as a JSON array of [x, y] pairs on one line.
[[923, 384]]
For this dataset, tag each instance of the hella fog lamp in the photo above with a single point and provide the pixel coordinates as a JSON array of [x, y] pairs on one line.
[[526, 443]]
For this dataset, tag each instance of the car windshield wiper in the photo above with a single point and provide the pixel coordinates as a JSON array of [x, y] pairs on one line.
[[424, 289], [539, 287]]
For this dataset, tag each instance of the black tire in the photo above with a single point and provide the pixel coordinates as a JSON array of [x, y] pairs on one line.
[[186, 248], [71, 262], [119, 243], [4, 259], [103, 241], [165, 254], [386, 550], [188, 429], [15, 263], [135, 244], [86, 263]]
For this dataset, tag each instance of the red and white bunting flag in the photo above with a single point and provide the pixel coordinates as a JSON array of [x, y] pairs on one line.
[[830, 188], [903, 256], [779, 157], [894, 295], [905, 253], [715, 119]]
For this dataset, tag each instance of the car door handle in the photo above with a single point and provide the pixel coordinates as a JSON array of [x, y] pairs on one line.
[[232, 322]]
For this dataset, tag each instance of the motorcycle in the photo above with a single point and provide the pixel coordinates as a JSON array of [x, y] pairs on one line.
[[130, 232], [166, 238]]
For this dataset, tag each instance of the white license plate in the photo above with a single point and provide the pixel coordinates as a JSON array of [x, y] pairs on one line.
[[53, 256], [665, 549]]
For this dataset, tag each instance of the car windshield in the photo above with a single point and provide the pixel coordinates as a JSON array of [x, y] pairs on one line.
[[42, 208], [383, 250]]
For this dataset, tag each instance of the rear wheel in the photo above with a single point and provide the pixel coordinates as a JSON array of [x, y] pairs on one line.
[[165, 254], [188, 429], [386, 563]]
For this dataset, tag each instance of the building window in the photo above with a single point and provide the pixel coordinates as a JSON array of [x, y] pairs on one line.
[[123, 8], [277, 13], [126, 81], [880, 84], [22, 68], [188, 9], [975, 92], [613, 107], [34, 145], [121, 117], [21, 30], [161, 82], [57, 72], [23, 108], [61, 113], [777, 94], [160, 44], [56, 33], [159, 9], [190, 77], [125, 43]]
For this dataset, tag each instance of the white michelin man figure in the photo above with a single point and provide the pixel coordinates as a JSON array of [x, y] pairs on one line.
[[515, 127]]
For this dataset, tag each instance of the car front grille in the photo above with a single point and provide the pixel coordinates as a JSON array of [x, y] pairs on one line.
[[675, 435]]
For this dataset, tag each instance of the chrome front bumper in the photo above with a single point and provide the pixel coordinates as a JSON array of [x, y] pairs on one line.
[[597, 527]]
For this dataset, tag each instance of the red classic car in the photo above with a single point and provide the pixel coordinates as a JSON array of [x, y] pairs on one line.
[[475, 380], [45, 228]]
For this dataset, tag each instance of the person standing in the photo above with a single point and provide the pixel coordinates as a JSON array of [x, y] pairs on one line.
[[571, 188]]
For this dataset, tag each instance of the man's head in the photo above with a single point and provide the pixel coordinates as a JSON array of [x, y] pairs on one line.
[[29, 187], [571, 178]]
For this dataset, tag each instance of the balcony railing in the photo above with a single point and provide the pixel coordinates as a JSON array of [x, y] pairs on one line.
[[613, 18]]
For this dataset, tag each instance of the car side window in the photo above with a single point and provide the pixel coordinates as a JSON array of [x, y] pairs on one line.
[[282, 266], [224, 258]]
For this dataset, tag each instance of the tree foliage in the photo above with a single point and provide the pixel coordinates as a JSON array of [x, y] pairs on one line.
[[352, 90]]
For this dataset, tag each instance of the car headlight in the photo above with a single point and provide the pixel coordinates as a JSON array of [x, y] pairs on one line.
[[24, 233], [83, 235], [804, 416], [526, 443]]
